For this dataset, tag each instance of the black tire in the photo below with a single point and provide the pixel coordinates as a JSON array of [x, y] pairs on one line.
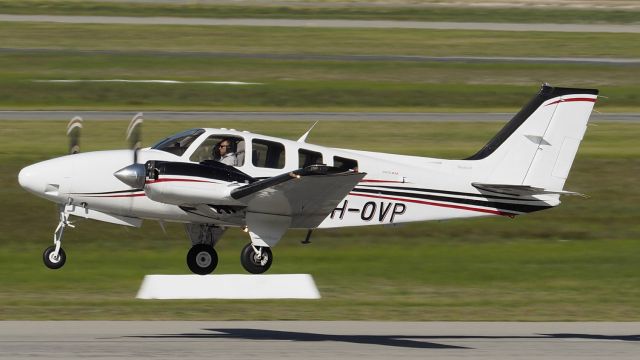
[[50, 262], [252, 263], [202, 259]]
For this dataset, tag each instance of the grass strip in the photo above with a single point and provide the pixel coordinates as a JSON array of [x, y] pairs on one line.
[[558, 15], [275, 40]]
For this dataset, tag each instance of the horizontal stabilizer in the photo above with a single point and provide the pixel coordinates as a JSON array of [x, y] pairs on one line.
[[521, 190]]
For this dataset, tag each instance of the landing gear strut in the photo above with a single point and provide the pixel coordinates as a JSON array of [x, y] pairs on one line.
[[256, 259], [54, 256]]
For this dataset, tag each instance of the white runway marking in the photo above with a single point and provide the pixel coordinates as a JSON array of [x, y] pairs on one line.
[[144, 81], [229, 286]]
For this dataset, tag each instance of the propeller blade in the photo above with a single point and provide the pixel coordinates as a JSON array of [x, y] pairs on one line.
[[73, 133], [134, 135]]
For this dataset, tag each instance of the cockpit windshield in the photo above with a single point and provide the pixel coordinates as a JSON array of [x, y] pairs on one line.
[[179, 143]]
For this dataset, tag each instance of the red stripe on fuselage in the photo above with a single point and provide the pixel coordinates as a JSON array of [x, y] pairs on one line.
[[572, 100], [495, 212]]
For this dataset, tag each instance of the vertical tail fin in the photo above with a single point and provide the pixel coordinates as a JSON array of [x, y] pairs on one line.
[[538, 146]]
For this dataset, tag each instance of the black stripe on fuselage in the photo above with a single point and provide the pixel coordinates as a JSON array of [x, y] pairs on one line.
[[448, 192], [523, 208]]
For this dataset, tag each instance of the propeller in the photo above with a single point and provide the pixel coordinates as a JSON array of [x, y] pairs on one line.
[[134, 174], [73, 132], [134, 135]]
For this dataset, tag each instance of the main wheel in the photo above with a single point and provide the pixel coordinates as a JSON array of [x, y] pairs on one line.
[[51, 261], [253, 263], [202, 259]]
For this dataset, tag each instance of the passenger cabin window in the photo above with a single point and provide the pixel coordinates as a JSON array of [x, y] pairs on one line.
[[228, 150], [267, 154], [345, 164], [179, 143], [308, 157]]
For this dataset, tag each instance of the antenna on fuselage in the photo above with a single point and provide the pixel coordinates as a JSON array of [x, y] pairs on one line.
[[303, 138]]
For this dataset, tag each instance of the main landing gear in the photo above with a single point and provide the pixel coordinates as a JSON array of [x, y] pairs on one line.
[[202, 258], [54, 256], [256, 259]]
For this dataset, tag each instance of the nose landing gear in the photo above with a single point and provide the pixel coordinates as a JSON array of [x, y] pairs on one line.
[[54, 256], [53, 261]]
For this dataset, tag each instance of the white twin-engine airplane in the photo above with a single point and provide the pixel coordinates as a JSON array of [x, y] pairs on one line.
[[272, 184]]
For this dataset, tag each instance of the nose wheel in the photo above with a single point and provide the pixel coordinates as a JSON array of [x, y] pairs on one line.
[[53, 260], [54, 256], [256, 259], [202, 259]]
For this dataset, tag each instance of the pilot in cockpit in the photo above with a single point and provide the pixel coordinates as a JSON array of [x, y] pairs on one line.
[[224, 153]]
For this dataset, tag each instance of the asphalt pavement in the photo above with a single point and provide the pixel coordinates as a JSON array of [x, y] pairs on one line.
[[317, 340]]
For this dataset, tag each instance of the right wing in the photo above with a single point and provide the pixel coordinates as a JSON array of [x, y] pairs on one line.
[[306, 195]]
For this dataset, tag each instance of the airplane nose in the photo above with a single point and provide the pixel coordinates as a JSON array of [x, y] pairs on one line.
[[30, 179]]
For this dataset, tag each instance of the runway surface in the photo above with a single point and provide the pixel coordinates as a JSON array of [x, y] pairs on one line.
[[317, 340], [64, 115], [380, 24]]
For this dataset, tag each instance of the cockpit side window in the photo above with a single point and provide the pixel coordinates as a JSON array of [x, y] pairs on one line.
[[308, 157], [178, 143], [210, 150], [345, 164], [267, 154]]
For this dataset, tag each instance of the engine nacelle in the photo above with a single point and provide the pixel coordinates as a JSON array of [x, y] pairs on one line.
[[181, 183], [180, 191]]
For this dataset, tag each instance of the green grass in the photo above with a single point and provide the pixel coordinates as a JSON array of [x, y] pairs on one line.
[[580, 261], [289, 95], [300, 10], [279, 40], [134, 52], [40, 51]]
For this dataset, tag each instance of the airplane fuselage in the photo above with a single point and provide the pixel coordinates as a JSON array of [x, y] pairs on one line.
[[397, 188]]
